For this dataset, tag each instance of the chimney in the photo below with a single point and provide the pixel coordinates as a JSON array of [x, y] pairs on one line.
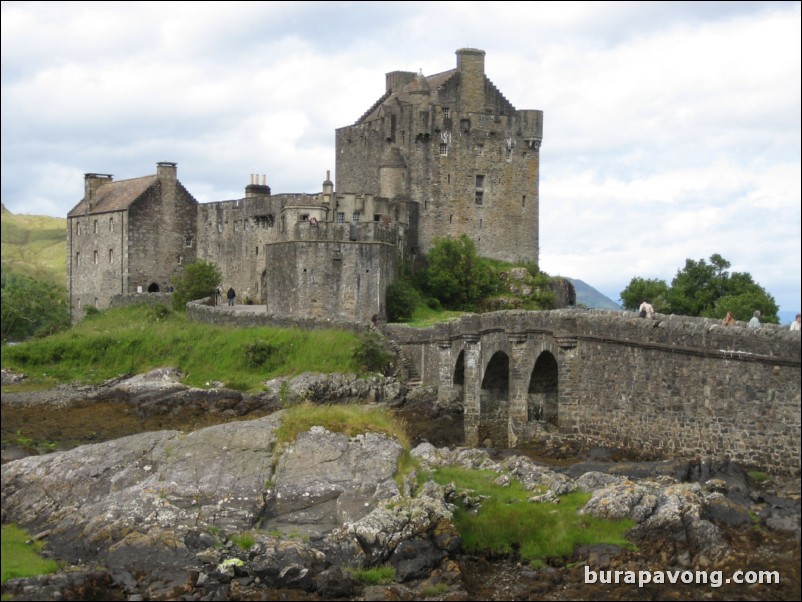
[[395, 80], [93, 181], [471, 68], [166, 170], [328, 188], [255, 189]]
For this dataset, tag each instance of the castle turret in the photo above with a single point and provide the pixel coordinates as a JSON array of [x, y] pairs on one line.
[[392, 173], [471, 68]]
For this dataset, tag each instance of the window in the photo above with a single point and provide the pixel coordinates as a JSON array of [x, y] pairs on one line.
[[77, 228], [377, 217], [94, 257], [523, 201], [256, 251], [446, 112], [355, 216], [77, 259], [480, 150], [94, 227], [443, 148], [219, 226], [180, 259], [188, 241], [111, 255], [111, 224], [340, 217], [480, 189]]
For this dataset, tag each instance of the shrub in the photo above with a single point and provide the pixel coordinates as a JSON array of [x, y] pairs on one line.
[[372, 354], [401, 299], [259, 353], [199, 280]]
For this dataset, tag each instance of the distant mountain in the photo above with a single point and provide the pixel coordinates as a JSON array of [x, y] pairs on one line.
[[589, 297], [34, 245]]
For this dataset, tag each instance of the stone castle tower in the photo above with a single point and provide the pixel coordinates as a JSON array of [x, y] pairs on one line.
[[436, 156], [456, 147]]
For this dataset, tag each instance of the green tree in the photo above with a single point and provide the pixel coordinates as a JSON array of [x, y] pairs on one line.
[[638, 289], [199, 280], [32, 308], [704, 289], [456, 275], [401, 299]]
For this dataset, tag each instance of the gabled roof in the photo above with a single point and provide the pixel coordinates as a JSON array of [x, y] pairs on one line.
[[115, 196], [403, 95]]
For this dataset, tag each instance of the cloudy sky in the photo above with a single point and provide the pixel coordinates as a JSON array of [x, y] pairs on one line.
[[671, 129]]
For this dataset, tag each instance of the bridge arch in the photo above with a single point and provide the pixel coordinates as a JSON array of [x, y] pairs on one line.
[[153, 288], [494, 400], [542, 393]]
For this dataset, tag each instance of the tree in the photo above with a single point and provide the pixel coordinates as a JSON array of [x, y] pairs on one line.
[[456, 275], [638, 289], [32, 308], [199, 280], [704, 289], [401, 299]]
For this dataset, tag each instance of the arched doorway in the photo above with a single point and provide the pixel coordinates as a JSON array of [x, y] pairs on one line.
[[541, 401], [153, 288], [494, 400]]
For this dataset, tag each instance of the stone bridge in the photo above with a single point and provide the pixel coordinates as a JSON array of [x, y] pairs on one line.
[[672, 386]]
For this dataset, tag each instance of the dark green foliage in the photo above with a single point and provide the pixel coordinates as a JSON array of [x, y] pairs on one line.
[[90, 311], [261, 354], [199, 280], [638, 289], [456, 275], [160, 312], [402, 299], [372, 354], [32, 308], [704, 289]]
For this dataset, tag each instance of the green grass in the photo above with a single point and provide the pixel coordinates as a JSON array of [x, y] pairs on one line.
[[244, 540], [136, 339], [21, 559], [426, 316], [348, 419], [760, 477], [540, 533], [380, 575]]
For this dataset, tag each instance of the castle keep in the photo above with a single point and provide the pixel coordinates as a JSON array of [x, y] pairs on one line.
[[435, 156]]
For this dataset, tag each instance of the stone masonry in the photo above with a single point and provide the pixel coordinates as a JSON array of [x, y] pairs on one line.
[[435, 156]]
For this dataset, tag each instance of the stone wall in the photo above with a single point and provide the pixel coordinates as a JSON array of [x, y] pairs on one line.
[[126, 300], [97, 264], [162, 237], [673, 386]]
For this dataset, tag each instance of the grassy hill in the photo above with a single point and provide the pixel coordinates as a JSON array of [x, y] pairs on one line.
[[35, 245]]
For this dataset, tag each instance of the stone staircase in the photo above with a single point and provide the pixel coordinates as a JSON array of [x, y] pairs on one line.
[[406, 369]]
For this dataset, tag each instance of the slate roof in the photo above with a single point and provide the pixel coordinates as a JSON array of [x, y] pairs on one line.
[[403, 95], [115, 196]]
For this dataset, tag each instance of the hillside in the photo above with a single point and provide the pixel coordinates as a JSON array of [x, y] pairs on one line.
[[589, 297], [34, 245]]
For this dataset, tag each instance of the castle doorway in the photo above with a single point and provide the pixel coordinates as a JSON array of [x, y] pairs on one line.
[[153, 288]]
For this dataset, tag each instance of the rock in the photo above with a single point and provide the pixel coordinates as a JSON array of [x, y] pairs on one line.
[[721, 510]]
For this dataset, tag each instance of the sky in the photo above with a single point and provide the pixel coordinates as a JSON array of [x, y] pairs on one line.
[[671, 129]]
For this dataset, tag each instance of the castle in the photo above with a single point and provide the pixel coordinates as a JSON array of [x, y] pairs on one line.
[[435, 156]]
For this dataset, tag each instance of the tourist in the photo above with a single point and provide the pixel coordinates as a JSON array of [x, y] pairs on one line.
[[754, 323], [729, 319], [231, 294], [646, 310], [796, 323]]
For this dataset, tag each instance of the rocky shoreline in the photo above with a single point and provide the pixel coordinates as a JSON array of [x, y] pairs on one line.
[[159, 514]]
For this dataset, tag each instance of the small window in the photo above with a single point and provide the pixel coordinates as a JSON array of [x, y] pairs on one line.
[[94, 257], [188, 242], [256, 251], [236, 225], [111, 255], [523, 201], [219, 226], [77, 228], [443, 148], [479, 197], [480, 150], [305, 217], [94, 227], [111, 224], [377, 217], [180, 259], [446, 112], [77, 259], [355, 216], [340, 217]]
